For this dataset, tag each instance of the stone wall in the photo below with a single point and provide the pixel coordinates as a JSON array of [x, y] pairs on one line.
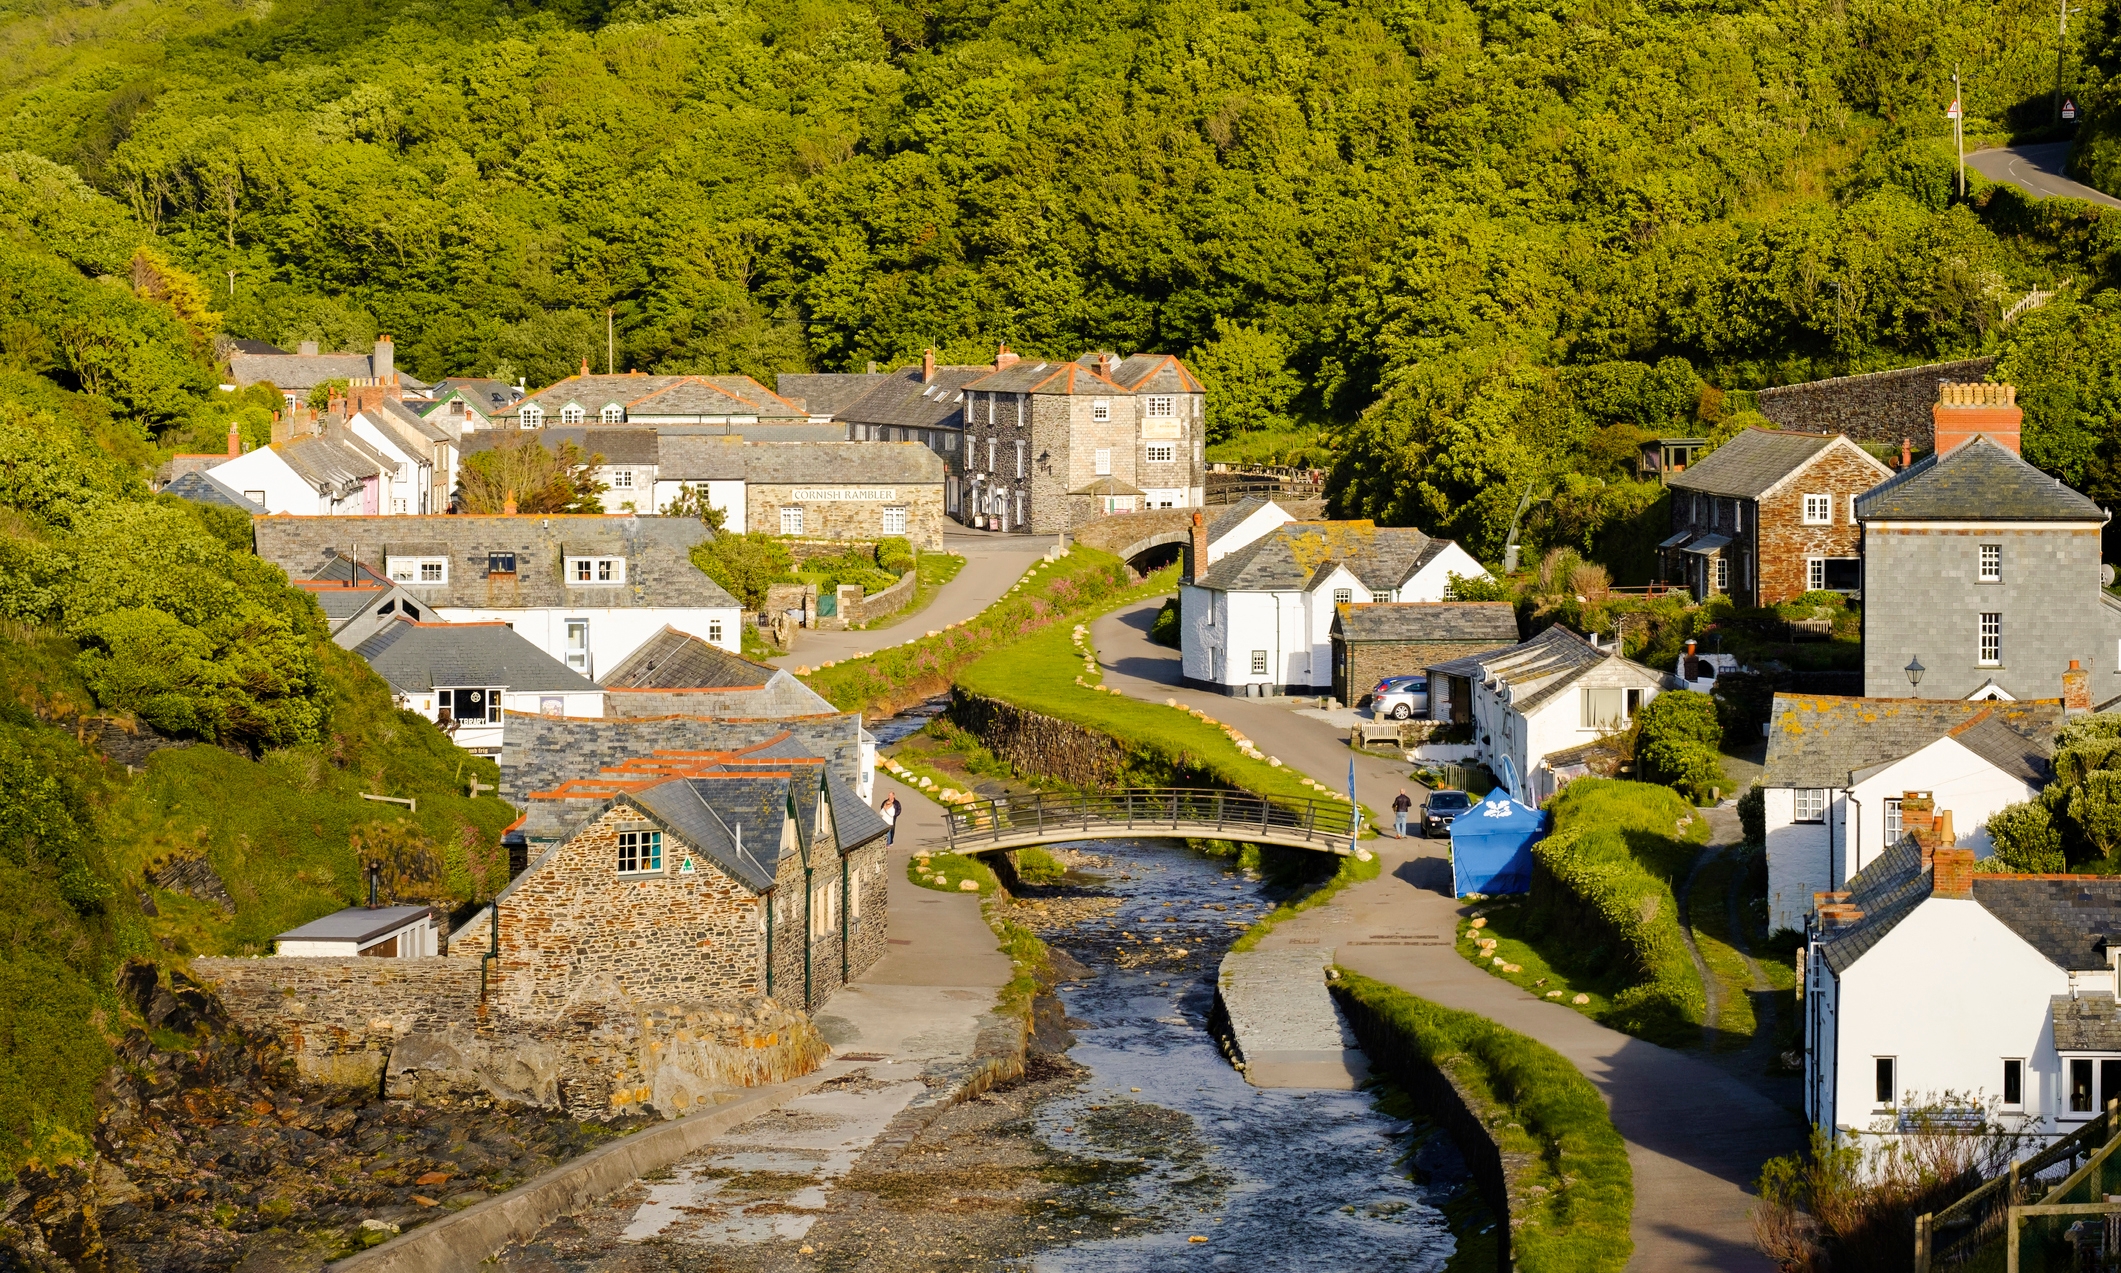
[[1883, 406], [809, 972], [1787, 544], [416, 1028], [1033, 743], [889, 601], [848, 519]]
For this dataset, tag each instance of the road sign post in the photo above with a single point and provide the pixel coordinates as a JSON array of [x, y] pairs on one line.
[[1958, 129]]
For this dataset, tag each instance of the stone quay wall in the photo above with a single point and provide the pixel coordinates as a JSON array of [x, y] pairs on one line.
[[415, 1029], [1883, 406]]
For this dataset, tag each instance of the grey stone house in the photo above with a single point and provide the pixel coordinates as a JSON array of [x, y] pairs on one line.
[[1986, 573]]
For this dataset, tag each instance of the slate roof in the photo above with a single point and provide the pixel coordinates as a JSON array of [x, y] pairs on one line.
[[1296, 554], [2089, 1024], [659, 570], [1887, 891], [1536, 670], [1392, 622], [1156, 373], [1980, 480], [2068, 919], [487, 397], [660, 396], [842, 464], [1752, 463], [827, 393], [336, 462], [1821, 741], [700, 457], [241, 345], [1231, 516], [903, 400], [617, 443], [356, 924], [678, 660], [418, 657], [430, 428], [297, 371], [201, 487], [339, 604], [1109, 486], [1045, 377]]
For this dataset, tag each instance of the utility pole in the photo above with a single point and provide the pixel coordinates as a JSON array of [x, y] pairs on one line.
[[2061, 49], [1958, 128], [610, 349], [232, 284]]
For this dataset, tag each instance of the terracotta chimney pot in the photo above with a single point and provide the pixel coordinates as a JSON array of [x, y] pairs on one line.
[[928, 366], [1005, 357], [1964, 411]]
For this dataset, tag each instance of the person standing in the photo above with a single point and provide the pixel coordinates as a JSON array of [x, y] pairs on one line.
[[1402, 804], [890, 812]]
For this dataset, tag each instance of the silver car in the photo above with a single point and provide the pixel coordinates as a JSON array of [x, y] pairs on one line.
[[1400, 697]]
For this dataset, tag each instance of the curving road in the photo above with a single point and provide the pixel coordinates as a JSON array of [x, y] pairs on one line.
[[2039, 170], [1696, 1136], [993, 562]]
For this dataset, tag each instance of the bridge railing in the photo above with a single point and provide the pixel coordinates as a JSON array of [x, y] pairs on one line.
[[1202, 813]]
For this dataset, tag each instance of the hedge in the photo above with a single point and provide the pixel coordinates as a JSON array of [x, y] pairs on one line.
[[1572, 1192]]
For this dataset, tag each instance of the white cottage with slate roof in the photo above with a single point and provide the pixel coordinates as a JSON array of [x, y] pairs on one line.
[[1258, 621], [327, 474], [1529, 701], [467, 678], [423, 449], [1927, 981], [1837, 769], [587, 590]]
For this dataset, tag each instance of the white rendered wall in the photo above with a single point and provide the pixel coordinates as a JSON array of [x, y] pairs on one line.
[[613, 633], [1797, 860], [263, 470], [1429, 583], [1962, 782], [1256, 526]]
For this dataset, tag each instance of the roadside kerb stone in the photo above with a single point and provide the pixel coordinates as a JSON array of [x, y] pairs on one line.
[[469, 1237]]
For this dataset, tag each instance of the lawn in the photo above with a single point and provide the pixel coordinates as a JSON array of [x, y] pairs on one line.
[[935, 570]]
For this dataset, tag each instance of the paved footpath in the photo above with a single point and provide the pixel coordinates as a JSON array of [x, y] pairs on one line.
[[1696, 1136], [993, 562]]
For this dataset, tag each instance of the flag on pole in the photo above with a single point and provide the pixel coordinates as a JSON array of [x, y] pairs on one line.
[[1351, 796]]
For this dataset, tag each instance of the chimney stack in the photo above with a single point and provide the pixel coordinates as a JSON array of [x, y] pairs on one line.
[[1952, 873], [1005, 357], [508, 505], [928, 366], [1915, 820], [308, 349], [235, 440], [2076, 690], [383, 363], [1964, 411], [280, 426], [1197, 565], [1907, 455], [585, 364]]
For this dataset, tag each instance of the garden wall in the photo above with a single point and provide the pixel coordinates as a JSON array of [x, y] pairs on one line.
[[1883, 406]]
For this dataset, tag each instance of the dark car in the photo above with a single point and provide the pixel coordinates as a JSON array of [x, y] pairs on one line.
[[1443, 806]]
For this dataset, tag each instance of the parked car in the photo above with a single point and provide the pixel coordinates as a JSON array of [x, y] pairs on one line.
[[1443, 807], [1400, 697]]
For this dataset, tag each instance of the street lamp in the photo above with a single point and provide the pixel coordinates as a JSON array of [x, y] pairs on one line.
[[1914, 671]]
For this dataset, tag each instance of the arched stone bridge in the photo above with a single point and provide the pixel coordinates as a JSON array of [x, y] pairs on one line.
[[1129, 535], [989, 826]]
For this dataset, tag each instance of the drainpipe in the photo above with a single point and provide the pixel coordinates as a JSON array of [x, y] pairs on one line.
[[845, 897], [809, 927]]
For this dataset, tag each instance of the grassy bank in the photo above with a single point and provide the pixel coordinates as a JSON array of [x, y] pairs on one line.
[[885, 681], [1601, 923], [1573, 1199], [1346, 871], [933, 570]]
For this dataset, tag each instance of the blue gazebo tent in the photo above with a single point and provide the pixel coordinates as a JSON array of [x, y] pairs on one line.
[[1491, 846]]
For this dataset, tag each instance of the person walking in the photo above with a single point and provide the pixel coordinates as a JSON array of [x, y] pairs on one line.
[[890, 812], [1402, 804]]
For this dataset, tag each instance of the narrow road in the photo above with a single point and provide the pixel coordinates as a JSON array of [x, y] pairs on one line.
[[2039, 170], [1696, 1137], [993, 562]]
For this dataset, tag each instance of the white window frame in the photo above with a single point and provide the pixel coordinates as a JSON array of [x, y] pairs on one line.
[[1019, 457], [596, 572], [1100, 411], [1162, 452], [1991, 568], [1808, 804], [640, 851], [993, 444], [1259, 663], [1891, 1070], [791, 519], [1819, 510], [895, 520], [420, 572], [1723, 574], [572, 654], [1343, 596], [572, 413], [1894, 827], [532, 416], [1160, 407], [622, 479], [1588, 707], [1815, 574], [612, 413], [2003, 1085], [1102, 461], [1990, 634]]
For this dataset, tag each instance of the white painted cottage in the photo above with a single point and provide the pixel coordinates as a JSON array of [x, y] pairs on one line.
[[374, 932], [1927, 982], [1259, 621], [1540, 697], [1837, 767], [467, 677]]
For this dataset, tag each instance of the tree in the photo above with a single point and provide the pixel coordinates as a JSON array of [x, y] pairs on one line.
[[2026, 839], [691, 501], [1676, 742], [517, 467], [1250, 386], [746, 565]]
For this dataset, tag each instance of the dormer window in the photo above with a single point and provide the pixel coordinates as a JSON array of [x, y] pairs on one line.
[[532, 416], [571, 414], [418, 570], [589, 572], [612, 414]]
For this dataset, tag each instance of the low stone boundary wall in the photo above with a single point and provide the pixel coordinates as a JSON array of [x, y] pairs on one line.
[[1459, 1112], [1035, 743], [1881, 406], [890, 601]]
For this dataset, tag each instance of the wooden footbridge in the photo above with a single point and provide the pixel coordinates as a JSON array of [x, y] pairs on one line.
[[988, 826]]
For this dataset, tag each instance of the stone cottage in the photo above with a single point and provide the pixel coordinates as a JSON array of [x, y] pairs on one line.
[[689, 876], [1769, 515]]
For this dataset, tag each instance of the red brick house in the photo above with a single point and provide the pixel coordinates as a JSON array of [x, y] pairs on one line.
[[690, 875], [1769, 515]]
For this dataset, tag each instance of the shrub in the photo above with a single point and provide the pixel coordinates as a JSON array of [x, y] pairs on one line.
[[2026, 839], [1744, 701], [746, 565], [1036, 866], [1459, 587], [895, 555], [1676, 742], [1752, 815], [517, 468], [1164, 631]]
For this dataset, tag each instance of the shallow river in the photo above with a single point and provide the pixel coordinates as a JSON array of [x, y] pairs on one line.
[[1272, 1179]]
